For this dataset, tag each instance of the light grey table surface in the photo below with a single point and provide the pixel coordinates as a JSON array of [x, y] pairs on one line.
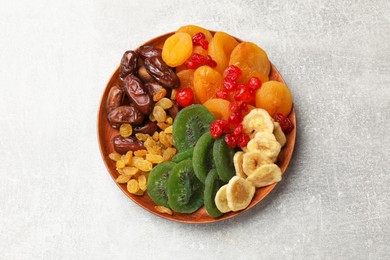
[[57, 200]]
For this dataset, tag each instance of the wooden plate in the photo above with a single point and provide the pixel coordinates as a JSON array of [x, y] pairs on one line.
[[106, 133]]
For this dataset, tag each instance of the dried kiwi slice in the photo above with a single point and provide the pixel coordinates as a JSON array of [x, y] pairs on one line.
[[212, 185], [183, 156], [189, 125], [157, 183], [223, 159], [185, 191], [202, 160]]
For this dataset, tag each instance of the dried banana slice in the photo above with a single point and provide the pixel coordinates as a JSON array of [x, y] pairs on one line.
[[252, 160], [268, 147], [258, 120], [221, 200], [237, 160], [265, 175], [239, 193], [279, 135]]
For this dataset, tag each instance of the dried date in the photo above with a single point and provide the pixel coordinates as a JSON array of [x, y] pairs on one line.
[[135, 90], [114, 99], [128, 64], [149, 51], [125, 114], [148, 127], [124, 144], [161, 72]]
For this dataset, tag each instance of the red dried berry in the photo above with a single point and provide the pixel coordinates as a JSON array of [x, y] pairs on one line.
[[229, 84], [242, 140], [204, 44], [230, 140], [254, 83], [244, 107], [285, 123], [235, 118], [221, 94], [235, 106], [190, 64], [210, 62], [198, 37], [185, 97], [237, 130], [224, 124], [215, 129], [242, 93], [233, 72], [198, 58]]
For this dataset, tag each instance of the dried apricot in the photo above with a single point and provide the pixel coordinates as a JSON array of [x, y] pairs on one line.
[[247, 54], [177, 49], [193, 29], [207, 82], [186, 78], [219, 107], [220, 49], [274, 97]]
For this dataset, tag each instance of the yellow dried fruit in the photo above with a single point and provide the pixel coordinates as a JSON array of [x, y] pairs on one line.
[[142, 164], [168, 130], [165, 103], [162, 125], [142, 182], [120, 171], [155, 136], [164, 140], [169, 120], [162, 209], [120, 164], [127, 157], [169, 153], [151, 118], [114, 156], [152, 146], [154, 158], [159, 95], [126, 130], [123, 178], [130, 171], [159, 113], [173, 94], [142, 137], [140, 153], [132, 186], [139, 192]]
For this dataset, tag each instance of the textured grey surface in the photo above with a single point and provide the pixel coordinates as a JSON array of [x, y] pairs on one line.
[[57, 200]]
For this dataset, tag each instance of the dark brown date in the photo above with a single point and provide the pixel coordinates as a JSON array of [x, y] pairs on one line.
[[125, 114], [149, 51], [148, 127], [144, 75], [172, 112], [135, 90], [128, 64], [161, 72], [114, 99], [124, 144], [153, 88]]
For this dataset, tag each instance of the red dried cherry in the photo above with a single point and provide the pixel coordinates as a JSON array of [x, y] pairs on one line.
[[242, 140], [285, 123], [210, 62], [185, 97], [215, 129], [235, 118], [242, 93], [233, 72], [230, 140], [254, 83], [229, 84], [221, 94], [237, 130], [200, 39]]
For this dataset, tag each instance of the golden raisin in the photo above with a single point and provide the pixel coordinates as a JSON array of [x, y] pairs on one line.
[[140, 153], [165, 103], [130, 171], [120, 164], [114, 156], [142, 182], [125, 130], [123, 178], [159, 95], [154, 158], [159, 114], [132, 186], [142, 137], [169, 153], [162, 209]]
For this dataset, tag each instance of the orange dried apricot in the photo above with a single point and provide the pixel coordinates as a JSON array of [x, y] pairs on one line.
[[207, 82], [274, 97], [247, 54], [186, 78], [219, 107], [177, 49], [194, 29], [220, 49]]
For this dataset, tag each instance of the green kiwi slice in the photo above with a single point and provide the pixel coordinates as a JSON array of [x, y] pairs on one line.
[[157, 183], [212, 185], [185, 191], [189, 125], [202, 159], [223, 159], [183, 156]]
